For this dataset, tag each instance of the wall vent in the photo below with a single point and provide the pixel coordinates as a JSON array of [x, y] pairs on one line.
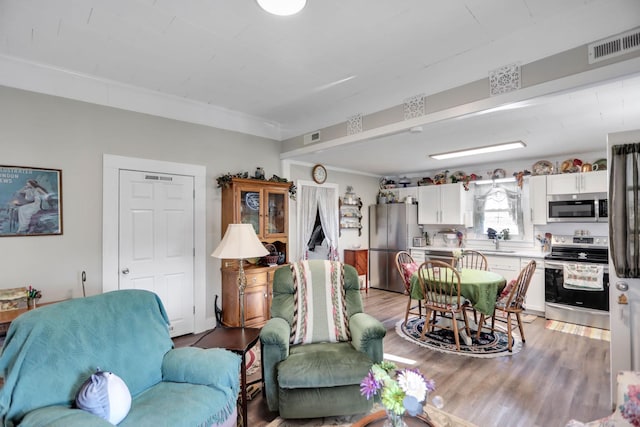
[[310, 138], [614, 46]]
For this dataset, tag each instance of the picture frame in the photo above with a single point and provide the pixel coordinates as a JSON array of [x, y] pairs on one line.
[[30, 201]]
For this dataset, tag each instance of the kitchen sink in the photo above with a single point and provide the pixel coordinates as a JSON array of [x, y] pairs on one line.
[[497, 251]]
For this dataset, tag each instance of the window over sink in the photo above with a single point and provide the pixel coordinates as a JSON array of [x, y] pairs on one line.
[[498, 206]]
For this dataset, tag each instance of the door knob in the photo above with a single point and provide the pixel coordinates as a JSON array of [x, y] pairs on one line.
[[125, 271], [622, 286]]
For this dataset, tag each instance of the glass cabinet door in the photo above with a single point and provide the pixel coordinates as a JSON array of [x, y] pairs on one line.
[[250, 208], [276, 213]]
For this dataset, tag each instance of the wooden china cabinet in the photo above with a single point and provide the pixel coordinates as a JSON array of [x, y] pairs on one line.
[[265, 205]]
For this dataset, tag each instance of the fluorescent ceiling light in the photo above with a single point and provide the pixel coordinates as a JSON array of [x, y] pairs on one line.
[[479, 150], [282, 7]]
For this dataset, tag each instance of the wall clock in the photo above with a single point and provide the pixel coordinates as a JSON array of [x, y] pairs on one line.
[[319, 174]]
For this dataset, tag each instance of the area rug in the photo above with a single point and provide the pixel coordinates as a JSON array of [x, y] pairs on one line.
[[584, 331], [489, 345], [252, 360], [526, 318]]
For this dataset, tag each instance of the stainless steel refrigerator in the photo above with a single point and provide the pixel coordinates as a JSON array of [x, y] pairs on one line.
[[391, 229]]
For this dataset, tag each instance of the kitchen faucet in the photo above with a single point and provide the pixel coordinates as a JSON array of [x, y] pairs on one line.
[[496, 240]]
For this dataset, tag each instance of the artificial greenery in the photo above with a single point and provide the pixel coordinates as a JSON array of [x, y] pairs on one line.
[[225, 180]]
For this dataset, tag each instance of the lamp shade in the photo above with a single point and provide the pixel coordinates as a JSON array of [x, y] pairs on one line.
[[240, 242]]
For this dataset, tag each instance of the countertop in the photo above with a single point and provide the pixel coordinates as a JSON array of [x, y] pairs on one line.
[[506, 252]]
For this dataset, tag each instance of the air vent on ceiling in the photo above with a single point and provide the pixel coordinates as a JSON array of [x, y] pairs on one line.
[[310, 138], [614, 46]]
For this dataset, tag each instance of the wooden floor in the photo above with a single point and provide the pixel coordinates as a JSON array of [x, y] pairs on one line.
[[555, 377]]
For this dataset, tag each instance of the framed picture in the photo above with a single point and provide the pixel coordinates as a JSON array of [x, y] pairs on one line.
[[30, 201]]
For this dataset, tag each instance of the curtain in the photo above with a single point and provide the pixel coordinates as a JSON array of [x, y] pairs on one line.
[[322, 201], [506, 195], [308, 210], [624, 210], [328, 209]]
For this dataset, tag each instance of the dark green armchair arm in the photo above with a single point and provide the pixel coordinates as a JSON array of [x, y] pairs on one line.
[[367, 334], [274, 338]]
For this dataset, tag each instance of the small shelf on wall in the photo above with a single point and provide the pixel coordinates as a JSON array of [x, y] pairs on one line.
[[350, 212]]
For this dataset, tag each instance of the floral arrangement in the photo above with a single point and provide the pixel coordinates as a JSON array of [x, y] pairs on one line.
[[408, 391], [33, 293]]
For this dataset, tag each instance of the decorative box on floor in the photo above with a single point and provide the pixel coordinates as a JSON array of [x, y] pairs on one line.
[[13, 299]]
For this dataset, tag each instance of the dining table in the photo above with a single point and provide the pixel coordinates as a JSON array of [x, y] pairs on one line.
[[480, 287]]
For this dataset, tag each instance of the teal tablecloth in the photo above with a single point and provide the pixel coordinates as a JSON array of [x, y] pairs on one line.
[[478, 286]]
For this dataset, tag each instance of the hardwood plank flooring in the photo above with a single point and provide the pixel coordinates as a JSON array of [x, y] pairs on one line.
[[555, 377]]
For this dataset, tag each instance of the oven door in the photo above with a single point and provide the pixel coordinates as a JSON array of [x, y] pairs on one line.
[[555, 292]]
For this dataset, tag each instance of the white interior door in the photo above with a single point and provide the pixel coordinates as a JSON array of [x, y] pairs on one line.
[[156, 241]]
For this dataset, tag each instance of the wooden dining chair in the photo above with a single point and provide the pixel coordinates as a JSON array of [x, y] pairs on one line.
[[441, 289], [477, 261], [511, 301], [473, 259], [406, 267]]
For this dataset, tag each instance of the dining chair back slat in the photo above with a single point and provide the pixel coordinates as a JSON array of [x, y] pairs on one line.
[[519, 292], [403, 258], [403, 262], [474, 260], [513, 303], [440, 284]]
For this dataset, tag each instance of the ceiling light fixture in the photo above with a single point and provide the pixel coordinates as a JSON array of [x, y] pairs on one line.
[[479, 150], [282, 7]]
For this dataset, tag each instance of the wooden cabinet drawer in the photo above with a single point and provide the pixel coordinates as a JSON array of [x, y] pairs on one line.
[[256, 279]]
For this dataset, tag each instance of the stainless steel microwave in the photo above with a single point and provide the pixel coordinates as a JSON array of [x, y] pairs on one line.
[[586, 207]]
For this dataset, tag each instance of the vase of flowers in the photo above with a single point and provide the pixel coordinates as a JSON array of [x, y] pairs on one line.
[[400, 391], [33, 296]]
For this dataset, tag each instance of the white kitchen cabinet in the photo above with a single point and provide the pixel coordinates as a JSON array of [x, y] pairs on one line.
[[418, 256], [534, 301], [538, 199], [571, 183], [508, 267], [441, 204], [404, 192]]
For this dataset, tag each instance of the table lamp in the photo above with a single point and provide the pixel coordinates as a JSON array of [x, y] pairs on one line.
[[240, 242]]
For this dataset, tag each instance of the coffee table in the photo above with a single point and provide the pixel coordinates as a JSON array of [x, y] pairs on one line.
[[239, 341], [432, 417], [378, 419]]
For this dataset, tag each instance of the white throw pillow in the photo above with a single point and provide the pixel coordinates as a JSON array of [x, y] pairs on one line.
[[106, 395]]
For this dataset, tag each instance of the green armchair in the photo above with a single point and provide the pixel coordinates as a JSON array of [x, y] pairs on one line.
[[318, 377]]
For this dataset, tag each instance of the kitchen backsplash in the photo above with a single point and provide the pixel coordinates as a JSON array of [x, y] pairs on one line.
[[567, 228]]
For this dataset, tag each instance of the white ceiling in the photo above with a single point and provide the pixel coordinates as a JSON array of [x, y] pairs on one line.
[[286, 76]]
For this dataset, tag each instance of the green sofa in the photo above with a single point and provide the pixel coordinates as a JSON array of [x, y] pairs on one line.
[[320, 378], [50, 351]]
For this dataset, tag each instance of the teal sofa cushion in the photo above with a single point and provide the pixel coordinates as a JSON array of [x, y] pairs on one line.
[[162, 405], [49, 352]]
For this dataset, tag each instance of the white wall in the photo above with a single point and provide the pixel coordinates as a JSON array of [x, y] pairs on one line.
[[51, 132]]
